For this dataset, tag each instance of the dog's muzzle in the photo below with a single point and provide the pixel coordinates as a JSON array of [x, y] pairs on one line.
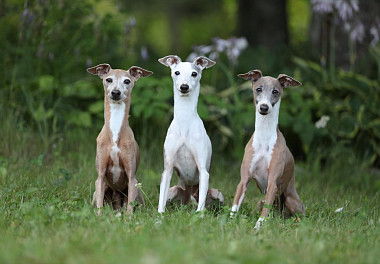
[[116, 95], [184, 88], [264, 108]]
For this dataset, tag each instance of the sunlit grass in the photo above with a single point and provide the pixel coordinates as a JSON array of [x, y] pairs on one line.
[[46, 217]]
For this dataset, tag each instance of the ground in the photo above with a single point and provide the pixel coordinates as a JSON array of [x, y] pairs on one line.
[[46, 217]]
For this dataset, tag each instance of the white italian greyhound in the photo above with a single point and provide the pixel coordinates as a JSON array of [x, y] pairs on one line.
[[267, 159], [187, 147], [117, 152]]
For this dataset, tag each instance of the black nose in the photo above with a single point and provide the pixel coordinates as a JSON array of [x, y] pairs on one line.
[[115, 94], [184, 88], [264, 108]]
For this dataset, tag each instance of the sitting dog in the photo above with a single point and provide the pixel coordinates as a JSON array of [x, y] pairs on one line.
[[117, 152], [187, 147], [267, 159]]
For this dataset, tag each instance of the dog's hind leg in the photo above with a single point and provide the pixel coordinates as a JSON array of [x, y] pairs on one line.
[[177, 193], [215, 199], [293, 202], [116, 200], [239, 195]]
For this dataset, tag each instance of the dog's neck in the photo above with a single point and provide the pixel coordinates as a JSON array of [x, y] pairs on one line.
[[116, 117], [185, 107], [266, 127]]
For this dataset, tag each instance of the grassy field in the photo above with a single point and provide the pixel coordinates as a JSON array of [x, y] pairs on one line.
[[46, 216]]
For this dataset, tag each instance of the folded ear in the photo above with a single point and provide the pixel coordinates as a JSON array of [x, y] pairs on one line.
[[100, 69], [286, 81], [138, 72], [170, 60], [203, 62], [252, 75]]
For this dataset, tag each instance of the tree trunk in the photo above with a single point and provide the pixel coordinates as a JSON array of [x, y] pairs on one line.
[[263, 23]]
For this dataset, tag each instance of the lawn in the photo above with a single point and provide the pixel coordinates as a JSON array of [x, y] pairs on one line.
[[46, 217]]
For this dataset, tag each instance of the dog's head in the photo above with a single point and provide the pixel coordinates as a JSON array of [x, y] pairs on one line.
[[118, 84], [267, 90], [186, 75]]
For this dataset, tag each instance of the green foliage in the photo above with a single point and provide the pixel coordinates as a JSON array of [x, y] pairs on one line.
[[350, 103], [44, 85]]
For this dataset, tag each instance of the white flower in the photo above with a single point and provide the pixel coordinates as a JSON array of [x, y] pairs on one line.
[[322, 122]]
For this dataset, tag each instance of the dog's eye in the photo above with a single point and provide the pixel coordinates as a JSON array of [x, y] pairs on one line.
[[275, 92], [259, 89], [127, 81], [109, 80], [194, 74], [176, 73]]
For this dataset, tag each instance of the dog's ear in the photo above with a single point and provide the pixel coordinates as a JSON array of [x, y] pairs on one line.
[[138, 72], [253, 75], [170, 60], [287, 81], [100, 69], [203, 62]]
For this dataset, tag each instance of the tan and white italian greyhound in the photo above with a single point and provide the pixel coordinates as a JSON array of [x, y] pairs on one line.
[[187, 147], [267, 159], [117, 152]]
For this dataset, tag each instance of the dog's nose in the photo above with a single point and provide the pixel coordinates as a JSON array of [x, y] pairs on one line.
[[115, 94], [264, 108], [184, 88]]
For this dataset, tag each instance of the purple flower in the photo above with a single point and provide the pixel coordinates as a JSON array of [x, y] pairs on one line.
[[374, 31], [322, 6], [27, 16], [357, 32], [231, 47], [144, 53]]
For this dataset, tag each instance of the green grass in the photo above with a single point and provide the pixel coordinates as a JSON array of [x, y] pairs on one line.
[[46, 216]]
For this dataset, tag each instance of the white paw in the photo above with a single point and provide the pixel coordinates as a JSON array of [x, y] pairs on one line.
[[259, 223], [118, 214]]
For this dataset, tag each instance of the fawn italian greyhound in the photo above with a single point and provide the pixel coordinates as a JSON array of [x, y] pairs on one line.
[[187, 147], [267, 159], [117, 152]]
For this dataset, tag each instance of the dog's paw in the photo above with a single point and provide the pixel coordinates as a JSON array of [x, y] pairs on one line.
[[233, 215], [158, 221], [200, 214], [118, 214], [259, 223]]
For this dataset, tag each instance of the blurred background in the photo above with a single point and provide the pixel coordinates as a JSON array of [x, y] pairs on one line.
[[50, 108]]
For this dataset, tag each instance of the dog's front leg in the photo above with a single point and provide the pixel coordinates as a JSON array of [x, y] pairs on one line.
[[132, 193], [268, 202], [164, 186], [100, 184], [130, 163], [203, 188], [202, 157], [171, 145], [244, 179], [100, 187], [270, 195]]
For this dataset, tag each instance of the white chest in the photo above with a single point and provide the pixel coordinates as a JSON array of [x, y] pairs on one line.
[[264, 139], [117, 112], [262, 151]]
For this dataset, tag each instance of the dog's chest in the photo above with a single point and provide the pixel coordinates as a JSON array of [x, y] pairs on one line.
[[117, 112], [262, 144], [186, 166]]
